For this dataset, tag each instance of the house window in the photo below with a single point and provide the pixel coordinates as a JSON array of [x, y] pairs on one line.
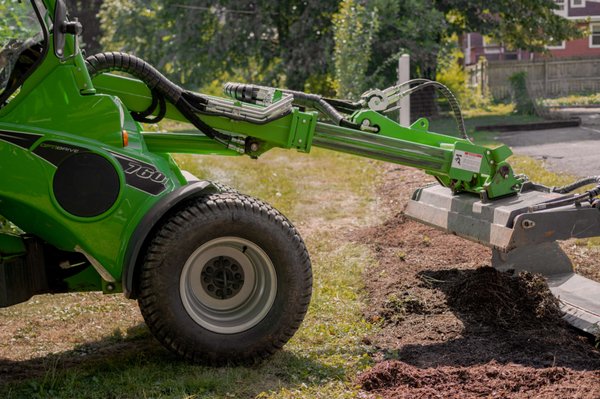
[[594, 35], [577, 3], [491, 47], [562, 7], [557, 45]]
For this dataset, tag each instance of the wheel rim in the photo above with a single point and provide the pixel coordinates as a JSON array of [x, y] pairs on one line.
[[228, 285]]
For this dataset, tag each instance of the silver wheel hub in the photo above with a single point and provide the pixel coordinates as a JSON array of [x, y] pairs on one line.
[[228, 285], [222, 277]]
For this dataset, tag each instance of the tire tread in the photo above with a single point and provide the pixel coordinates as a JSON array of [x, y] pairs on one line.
[[209, 207]]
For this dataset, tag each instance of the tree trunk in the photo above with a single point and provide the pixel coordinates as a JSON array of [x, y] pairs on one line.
[[87, 13]]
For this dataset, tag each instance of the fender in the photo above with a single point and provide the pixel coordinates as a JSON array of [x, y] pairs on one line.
[[150, 221]]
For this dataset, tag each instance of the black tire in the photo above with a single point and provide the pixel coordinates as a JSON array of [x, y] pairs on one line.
[[207, 244], [223, 188]]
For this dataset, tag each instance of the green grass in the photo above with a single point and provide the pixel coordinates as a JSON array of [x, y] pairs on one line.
[[109, 353], [537, 172], [574, 100]]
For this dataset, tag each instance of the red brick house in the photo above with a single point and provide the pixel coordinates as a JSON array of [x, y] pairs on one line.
[[474, 45]]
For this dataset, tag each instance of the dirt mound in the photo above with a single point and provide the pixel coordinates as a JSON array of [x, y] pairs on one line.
[[453, 327], [501, 299], [395, 379]]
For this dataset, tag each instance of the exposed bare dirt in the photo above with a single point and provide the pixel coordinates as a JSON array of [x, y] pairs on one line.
[[453, 327]]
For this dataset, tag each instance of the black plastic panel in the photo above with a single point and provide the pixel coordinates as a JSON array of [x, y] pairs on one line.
[[142, 175], [24, 140], [56, 152], [86, 184]]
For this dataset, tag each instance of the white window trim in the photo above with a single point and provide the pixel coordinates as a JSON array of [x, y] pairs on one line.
[[468, 50], [592, 34], [565, 11], [582, 5], [497, 49], [561, 46]]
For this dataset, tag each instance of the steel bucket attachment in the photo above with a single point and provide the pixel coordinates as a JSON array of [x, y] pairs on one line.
[[521, 239]]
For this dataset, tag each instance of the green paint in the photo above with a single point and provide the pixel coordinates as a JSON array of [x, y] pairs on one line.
[[10, 246], [64, 107]]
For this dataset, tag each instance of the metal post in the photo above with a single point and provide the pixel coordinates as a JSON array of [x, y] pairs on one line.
[[403, 76], [545, 77]]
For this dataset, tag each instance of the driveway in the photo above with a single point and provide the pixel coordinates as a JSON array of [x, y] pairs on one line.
[[575, 151]]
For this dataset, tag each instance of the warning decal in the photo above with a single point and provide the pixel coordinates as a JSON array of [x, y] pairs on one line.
[[467, 161]]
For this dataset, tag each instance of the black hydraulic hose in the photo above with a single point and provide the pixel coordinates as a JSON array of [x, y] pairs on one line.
[[156, 82], [570, 199], [343, 105], [144, 116], [198, 103], [560, 202], [244, 92], [150, 110], [117, 61], [452, 101], [575, 185], [317, 102]]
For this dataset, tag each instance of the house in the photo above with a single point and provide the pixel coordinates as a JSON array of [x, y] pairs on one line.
[[587, 12]]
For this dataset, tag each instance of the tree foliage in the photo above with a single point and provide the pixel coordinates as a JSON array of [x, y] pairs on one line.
[[422, 28], [521, 98], [355, 28], [291, 42], [523, 24], [413, 27], [194, 41], [20, 28], [18, 21]]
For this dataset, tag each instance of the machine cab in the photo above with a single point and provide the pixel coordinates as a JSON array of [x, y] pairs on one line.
[[23, 42]]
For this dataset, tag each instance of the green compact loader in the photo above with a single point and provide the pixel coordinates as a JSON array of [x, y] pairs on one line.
[[92, 202]]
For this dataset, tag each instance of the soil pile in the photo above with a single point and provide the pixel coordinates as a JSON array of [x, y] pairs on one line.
[[399, 380], [494, 298], [454, 327]]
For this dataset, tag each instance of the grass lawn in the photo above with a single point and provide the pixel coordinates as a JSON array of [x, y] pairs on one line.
[[573, 100], [87, 345]]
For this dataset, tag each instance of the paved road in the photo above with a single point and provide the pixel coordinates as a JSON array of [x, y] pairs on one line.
[[575, 151]]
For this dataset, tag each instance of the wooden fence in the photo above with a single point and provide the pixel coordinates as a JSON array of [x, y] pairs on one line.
[[549, 78]]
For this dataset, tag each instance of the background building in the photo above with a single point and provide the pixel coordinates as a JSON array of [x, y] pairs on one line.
[[475, 45]]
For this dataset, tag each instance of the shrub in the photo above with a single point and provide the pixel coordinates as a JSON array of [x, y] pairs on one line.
[[523, 102], [452, 74]]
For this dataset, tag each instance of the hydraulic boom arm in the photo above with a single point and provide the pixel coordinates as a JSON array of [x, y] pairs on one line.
[[255, 119]]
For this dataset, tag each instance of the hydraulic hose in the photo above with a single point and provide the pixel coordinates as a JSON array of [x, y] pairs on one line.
[[346, 106], [575, 185], [568, 200], [317, 102], [144, 116], [452, 101], [159, 85]]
